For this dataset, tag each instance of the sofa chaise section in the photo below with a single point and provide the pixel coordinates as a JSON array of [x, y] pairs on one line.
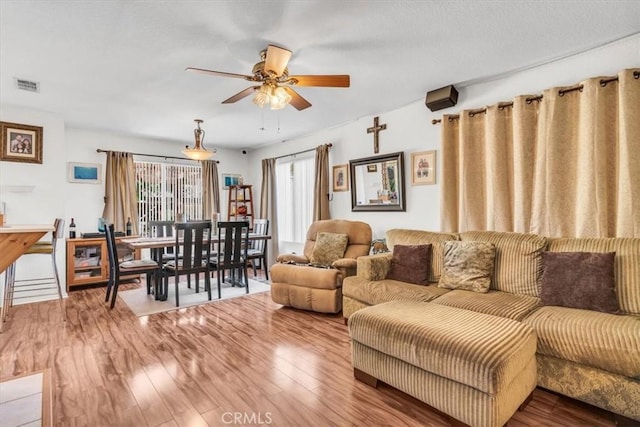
[[477, 368]]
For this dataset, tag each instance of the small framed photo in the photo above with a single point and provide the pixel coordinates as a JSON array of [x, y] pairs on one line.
[[230, 179], [423, 168], [372, 168], [341, 178], [85, 173], [21, 143]]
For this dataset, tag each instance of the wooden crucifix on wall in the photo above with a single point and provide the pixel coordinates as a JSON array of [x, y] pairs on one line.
[[375, 129]]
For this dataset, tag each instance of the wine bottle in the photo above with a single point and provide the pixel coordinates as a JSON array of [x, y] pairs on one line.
[[72, 229], [129, 226]]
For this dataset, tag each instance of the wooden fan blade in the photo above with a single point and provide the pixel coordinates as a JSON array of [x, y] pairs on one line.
[[277, 59], [296, 100], [337, 80], [219, 73], [238, 96]]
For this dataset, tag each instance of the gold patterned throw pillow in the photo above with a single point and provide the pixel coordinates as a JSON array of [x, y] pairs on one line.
[[328, 248], [468, 265]]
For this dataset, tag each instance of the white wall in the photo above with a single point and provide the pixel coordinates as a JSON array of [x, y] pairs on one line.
[[53, 196], [409, 129], [86, 201], [46, 201]]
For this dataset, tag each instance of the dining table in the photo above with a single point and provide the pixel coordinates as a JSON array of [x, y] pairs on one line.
[[157, 245], [16, 239]]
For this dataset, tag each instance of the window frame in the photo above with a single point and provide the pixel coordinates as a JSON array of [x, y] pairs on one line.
[[294, 200], [175, 179]]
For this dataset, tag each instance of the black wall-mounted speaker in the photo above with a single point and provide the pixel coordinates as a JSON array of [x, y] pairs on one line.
[[444, 97]]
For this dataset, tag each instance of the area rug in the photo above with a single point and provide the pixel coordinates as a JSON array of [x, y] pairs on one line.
[[142, 304]]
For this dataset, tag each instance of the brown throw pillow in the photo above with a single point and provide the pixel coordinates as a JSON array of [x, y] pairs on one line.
[[583, 280], [411, 264], [328, 248], [468, 265]]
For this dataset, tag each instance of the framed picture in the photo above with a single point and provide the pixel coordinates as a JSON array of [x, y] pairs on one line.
[[85, 173], [372, 168], [21, 143], [230, 179], [423, 168], [341, 178]]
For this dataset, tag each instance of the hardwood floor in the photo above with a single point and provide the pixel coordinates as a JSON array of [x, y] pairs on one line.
[[244, 361]]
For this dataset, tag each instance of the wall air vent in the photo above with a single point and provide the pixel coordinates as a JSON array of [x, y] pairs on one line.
[[27, 85]]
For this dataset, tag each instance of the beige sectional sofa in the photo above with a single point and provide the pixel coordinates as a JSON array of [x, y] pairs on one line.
[[588, 355]]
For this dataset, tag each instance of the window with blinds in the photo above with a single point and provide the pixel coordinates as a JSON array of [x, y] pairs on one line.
[[165, 190], [294, 193]]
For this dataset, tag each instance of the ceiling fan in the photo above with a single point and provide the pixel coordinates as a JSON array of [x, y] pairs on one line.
[[276, 89]]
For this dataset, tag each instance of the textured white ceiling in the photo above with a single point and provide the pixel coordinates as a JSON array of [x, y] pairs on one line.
[[119, 65]]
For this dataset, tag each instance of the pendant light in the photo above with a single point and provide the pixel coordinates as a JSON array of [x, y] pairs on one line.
[[198, 152]]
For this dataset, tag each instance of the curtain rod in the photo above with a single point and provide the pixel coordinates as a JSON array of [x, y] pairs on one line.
[[99, 150], [300, 152], [561, 92]]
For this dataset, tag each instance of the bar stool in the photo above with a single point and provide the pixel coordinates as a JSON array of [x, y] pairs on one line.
[[14, 288]]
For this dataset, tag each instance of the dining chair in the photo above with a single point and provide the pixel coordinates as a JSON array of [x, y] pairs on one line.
[[257, 250], [23, 288], [163, 229], [119, 269], [231, 252], [193, 251]]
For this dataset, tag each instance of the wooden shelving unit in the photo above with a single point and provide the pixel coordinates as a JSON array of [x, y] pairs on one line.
[[240, 206], [88, 261]]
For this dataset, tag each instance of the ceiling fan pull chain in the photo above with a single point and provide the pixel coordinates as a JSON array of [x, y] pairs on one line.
[[278, 112]]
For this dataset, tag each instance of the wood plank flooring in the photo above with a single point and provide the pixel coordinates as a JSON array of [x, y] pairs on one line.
[[244, 361]]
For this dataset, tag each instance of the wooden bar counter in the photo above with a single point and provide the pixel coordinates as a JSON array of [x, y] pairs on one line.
[[15, 239]]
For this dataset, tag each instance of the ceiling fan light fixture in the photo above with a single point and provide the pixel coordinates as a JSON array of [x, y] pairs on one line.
[[263, 96], [275, 97], [274, 83], [279, 98], [198, 152]]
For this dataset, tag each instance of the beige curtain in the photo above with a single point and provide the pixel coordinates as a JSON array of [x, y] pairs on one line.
[[210, 189], [488, 160], [120, 199], [321, 184], [269, 207], [564, 165]]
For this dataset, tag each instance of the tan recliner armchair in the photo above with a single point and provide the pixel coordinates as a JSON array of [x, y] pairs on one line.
[[296, 284]]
